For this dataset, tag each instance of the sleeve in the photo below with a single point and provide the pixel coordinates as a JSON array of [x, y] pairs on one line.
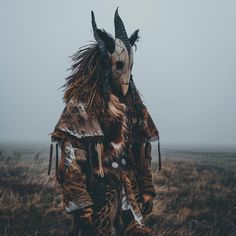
[[142, 155], [74, 186]]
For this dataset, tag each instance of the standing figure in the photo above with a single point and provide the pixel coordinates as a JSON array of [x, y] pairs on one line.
[[104, 135]]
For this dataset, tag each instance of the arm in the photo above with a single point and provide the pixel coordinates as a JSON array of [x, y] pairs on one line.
[[142, 154], [74, 180], [77, 200]]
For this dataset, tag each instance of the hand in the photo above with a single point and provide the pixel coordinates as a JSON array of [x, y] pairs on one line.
[[146, 197], [147, 204], [85, 216]]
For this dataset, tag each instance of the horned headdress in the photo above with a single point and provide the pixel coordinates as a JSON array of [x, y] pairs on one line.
[[103, 67], [117, 53]]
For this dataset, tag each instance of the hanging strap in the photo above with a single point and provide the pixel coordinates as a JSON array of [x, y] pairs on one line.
[[50, 159], [57, 159], [159, 154], [99, 148]]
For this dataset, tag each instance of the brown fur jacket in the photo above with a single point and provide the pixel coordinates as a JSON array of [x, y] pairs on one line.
[[91, 142]]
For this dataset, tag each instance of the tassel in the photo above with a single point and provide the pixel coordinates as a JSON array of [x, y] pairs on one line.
[[159, 154], [100, 157], [56, 159], [50, 159]]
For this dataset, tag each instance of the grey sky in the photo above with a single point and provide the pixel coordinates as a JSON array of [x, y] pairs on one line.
[[184, 66]]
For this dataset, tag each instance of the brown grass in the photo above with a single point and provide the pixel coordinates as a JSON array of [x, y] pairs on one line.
[[196, 194]]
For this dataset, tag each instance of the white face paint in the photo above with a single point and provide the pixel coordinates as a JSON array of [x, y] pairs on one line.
[[122, 64]]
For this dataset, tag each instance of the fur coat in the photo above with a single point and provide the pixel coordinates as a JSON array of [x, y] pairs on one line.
[[114, 144]]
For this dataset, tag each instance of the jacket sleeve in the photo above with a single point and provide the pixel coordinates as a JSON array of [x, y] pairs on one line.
[[74, 186], [142, 155]]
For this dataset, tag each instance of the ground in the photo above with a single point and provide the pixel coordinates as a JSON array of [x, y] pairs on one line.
[[196, 193]]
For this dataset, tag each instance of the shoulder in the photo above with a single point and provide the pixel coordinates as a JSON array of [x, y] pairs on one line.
[[78, 121], [144, 129]]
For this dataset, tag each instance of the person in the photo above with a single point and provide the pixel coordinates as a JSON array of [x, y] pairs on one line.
[[105, 134]]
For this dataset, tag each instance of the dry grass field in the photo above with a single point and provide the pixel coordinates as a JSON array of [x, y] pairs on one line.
[[196, 194]]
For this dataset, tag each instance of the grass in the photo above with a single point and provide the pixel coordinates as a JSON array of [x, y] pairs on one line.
[[196, 194]]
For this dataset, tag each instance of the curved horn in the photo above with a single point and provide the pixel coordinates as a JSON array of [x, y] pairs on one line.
[[120, 31], [94, 25]]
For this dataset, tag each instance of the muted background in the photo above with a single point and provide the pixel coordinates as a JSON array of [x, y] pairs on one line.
[[184, 65]]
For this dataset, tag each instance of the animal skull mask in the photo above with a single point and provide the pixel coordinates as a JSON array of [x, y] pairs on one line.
[[122, 63], [119, 50]]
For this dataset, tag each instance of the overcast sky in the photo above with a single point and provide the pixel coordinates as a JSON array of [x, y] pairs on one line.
[[185, 64]]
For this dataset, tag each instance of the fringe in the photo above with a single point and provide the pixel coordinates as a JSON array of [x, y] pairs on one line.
[[99, 148], [159, 154], [50, 158], [56, 160]]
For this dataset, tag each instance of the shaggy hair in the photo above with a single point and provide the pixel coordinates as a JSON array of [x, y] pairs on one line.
[[86, 80]]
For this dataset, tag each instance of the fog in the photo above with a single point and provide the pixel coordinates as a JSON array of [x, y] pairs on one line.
[[184, 64]]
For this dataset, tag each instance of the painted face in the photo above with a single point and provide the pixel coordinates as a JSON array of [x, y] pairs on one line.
[[122, 63]]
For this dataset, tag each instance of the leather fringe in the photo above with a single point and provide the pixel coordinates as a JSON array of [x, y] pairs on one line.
[[159, 154], [56, 159], [99, 148], [50, 159]]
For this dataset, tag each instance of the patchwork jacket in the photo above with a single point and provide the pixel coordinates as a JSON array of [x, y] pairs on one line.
[[116, 144]]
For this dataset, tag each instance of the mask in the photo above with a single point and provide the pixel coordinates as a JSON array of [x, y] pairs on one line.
[[119, 51], [122, 63]]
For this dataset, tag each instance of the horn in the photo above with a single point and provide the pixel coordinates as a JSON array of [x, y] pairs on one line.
[[120, 31], [105, 60], [94, 25]]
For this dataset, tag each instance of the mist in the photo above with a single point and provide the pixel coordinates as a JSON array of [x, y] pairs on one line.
[[184, 64]]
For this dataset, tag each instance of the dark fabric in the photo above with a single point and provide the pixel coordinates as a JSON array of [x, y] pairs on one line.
[[81, 221], [105, 212], [127, 217], [142, 156], [108, 219], [147, 207]]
